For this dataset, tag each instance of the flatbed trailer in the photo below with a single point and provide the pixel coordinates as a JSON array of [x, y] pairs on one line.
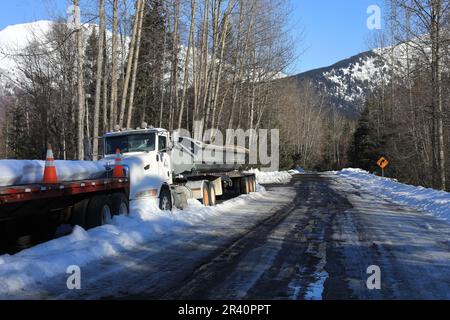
[[38, 209]]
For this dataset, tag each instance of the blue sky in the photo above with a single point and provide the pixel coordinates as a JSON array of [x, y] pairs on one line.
[[333, 29]]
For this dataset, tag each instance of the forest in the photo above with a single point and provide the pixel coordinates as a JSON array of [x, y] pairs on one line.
[[407, 118], [223, 64]]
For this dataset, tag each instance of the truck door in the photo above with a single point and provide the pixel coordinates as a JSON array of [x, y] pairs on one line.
[[164, 158]]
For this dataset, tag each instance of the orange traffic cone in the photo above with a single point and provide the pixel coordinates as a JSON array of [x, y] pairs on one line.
[[118, 167], [50, 176]]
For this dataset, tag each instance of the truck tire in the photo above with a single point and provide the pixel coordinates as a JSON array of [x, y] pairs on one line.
[[255, 186], [252, 180], [165, 200], [78, 217], [45, 232], [99, 212], [120, 205], [237, 186], [205, 194], [244, 185], [22, 242], [212, 195]]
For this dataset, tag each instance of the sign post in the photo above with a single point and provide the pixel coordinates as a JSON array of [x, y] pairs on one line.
[[382, 163]]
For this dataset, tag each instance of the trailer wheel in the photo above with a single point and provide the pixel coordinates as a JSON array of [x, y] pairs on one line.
[[99, 212], [120, 204], [78, 217], [212, 194], [45, 232], [165, 200], [22, 242]]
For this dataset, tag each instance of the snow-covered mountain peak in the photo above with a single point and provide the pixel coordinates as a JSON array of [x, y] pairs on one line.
[[17, 36]]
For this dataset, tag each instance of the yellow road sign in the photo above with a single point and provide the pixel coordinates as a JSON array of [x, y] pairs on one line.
[[382, 163]]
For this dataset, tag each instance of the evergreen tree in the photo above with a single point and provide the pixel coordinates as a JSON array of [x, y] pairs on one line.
[[366, 147], [151, 63], [20, 142], [90, 70]]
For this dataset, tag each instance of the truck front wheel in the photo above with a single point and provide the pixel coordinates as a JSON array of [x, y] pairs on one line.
[[165, 200]]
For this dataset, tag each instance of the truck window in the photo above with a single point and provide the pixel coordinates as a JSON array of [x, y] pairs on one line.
[[162, 143], [144, 142]]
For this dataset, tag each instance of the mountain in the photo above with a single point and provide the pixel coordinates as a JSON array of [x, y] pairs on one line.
[[347, 83], [13, 39]]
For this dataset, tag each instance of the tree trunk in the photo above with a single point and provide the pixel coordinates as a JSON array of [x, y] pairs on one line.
[[113, 106], [81, 111], [163, 91], [98, 86], [105, 85], [129, 63], [186, 63], [135, 65]]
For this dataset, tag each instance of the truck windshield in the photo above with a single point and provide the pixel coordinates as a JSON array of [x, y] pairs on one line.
[[130, 143]]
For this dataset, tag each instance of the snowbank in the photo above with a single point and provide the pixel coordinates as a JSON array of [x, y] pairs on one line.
[[297, 170], [16, 172], [430, 200], [271, 177], [146, 223]]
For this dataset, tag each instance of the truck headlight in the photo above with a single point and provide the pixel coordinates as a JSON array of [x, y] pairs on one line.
[[149, 193]]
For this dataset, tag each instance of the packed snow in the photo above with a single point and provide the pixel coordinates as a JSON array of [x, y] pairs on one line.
[[19, 172], [263, 177], [145, 224], [297, 170], [428, 200]]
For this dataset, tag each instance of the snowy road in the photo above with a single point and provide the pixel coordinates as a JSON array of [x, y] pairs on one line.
[[311, 239], [321, 248]]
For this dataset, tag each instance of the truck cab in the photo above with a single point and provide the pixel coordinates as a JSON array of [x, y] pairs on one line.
[[174, 176], [146, 159]]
